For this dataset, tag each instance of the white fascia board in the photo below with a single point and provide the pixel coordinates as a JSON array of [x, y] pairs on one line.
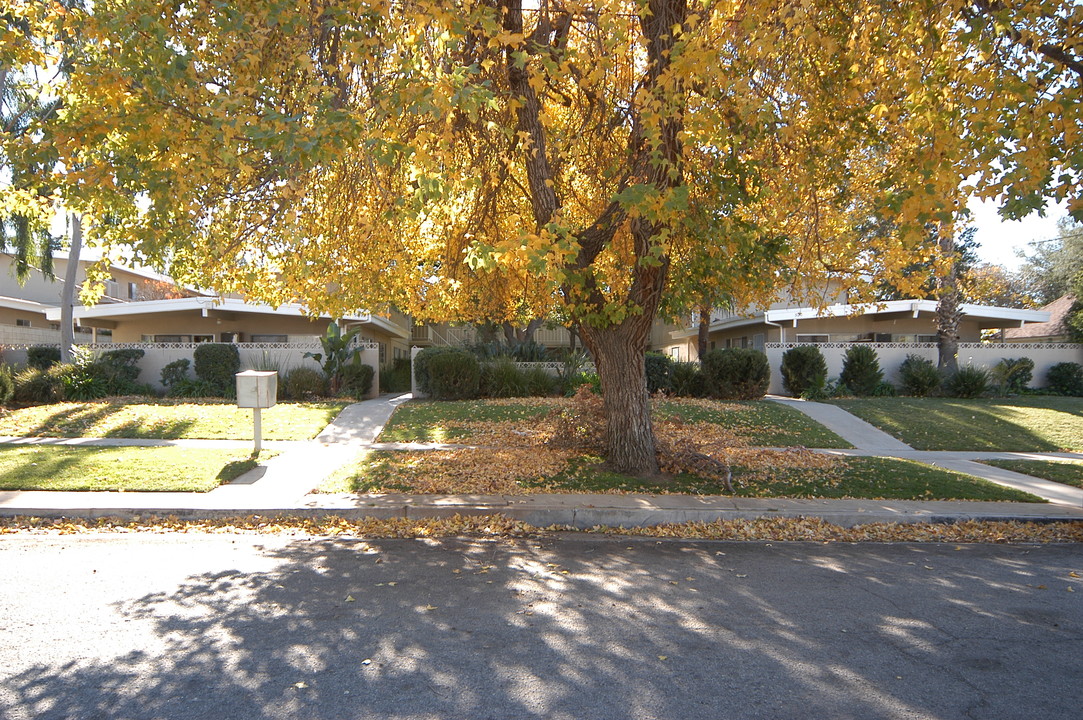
[[150, 307], [27, 305], [1002, 313]]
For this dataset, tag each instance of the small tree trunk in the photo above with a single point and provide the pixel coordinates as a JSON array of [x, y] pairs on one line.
[[67, 295], [948, 310], [619, 353], [704, 331]]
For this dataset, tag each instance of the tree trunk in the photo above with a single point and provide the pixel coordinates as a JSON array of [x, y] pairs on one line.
[[67, 295], [948, 315], [704, 331], [948, 309], [521, 336], [619, 352]]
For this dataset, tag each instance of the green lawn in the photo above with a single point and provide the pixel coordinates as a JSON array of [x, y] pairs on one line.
[[1020, 424], [443, 421], [58, 467], [1069, 472], [470, 471], [760, 423], [168, 420]]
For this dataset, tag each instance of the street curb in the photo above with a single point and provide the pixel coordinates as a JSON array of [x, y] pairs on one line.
[[581, 518]]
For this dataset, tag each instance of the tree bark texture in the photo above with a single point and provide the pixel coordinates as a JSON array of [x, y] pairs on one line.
[[703, 331], [619, 356], [948, 310], [67, 294]]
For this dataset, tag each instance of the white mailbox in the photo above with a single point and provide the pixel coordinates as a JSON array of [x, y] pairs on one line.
[[257, 389]]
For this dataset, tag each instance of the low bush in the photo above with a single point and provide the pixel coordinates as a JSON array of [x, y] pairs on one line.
[[919, 376], [395, 376], [41, 357], [216, 364], [884, 389], [658, 366], [687, 380], [454, 375], [1013, 375], [736, 374], [421, 366], [192, 388], [117, 371], [539, 383], [305, 383], [502, 378], [175, 372], [967, 382], [37, 385], [357, 380], [1066, 378], [861, 371], [803, 369], [7, 384]]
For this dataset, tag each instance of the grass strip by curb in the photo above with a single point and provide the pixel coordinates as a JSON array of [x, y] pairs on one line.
[[130, 469], [500, 526], [1069, 472]]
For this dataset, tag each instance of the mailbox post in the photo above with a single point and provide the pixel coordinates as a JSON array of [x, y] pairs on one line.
[[257, 390]]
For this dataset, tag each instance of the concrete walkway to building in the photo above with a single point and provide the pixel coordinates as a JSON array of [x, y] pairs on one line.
[[283, 485]]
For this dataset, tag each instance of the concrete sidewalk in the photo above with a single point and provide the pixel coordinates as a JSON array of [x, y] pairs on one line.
[[283, 485]]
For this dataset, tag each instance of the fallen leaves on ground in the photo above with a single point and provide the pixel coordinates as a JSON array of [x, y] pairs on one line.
[[762, 529]]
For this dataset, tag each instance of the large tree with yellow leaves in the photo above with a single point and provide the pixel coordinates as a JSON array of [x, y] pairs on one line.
[[484, 159]]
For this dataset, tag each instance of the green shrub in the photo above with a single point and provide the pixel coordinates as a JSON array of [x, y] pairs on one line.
[[117, 371], [658, 366], [803, 368], [395, 376], [175, 372], [571, 374], [216, 364], [687, 380], [454, 375], [501, 378], [7, 384], [80, 383], [539, 383], [37, 385], [1066, 378], [736, 374], [421, 366], [356, 380], [191, 388], [305, 383], [41, 357], [884, 389], [861, 370], [1013, 375], [967, 382], [919, 376]]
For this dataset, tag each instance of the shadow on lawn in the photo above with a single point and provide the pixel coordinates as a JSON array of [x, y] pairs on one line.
[[473, 629], [83, 419]]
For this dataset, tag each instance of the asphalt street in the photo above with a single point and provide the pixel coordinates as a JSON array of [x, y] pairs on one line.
[[147, 626]]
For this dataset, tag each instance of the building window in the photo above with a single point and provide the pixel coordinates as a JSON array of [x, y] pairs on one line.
[[744, 341], [675, 352], [20, 322], [927, 338], [133, 291], [172, 338], [383, 353], [269, 338], [203, 338], [813, 338]]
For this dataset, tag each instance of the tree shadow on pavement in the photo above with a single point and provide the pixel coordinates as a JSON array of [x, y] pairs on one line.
[[572, 628]]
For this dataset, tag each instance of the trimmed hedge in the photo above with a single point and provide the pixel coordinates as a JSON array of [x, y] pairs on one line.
[[216, 364], [1066, 378], [659, 367], [736, 374], [421, 366], [305, 383], [454, 375], [919, 376], [861, 372], [357, 380], [803, 369], [41, 357]]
